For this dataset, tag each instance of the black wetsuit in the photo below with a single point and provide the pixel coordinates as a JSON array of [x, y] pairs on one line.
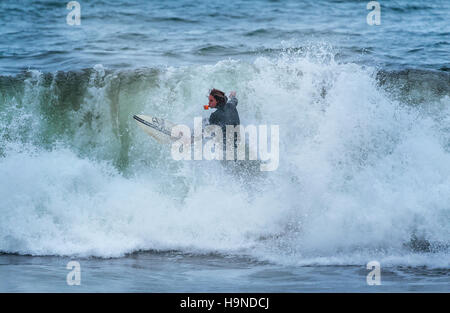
[[226, 114]]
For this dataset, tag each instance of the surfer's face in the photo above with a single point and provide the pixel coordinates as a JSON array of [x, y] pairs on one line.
[[212, 102]]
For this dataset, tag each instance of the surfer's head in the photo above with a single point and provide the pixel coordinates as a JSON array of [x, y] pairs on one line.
[[216, 98]]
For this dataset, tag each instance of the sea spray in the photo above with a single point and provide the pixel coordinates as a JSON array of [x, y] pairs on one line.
[[362, 172]]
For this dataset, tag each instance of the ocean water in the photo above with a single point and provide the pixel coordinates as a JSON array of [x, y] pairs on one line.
[[364, 171]]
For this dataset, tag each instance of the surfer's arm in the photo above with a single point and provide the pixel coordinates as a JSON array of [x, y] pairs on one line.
[[233, 100]]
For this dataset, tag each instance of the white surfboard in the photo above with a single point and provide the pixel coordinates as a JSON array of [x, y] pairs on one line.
[[158, 128]]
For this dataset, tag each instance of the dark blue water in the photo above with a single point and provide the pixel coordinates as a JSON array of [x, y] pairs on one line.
[[134, 33]]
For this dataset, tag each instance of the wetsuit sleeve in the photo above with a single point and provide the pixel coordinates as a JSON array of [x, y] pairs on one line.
[[233, 100]]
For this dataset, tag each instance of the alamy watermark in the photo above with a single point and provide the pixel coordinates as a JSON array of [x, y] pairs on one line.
[[74, 16], [374, 16], [209, 143], [374, 276], [73, 278]]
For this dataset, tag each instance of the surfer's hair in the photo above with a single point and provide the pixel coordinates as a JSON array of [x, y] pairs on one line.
[[219, 96]]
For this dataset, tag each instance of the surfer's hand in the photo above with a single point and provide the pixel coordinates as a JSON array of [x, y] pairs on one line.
[[232, 94]]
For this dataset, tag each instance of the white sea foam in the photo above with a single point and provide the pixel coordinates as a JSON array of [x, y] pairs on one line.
[[360, 175]]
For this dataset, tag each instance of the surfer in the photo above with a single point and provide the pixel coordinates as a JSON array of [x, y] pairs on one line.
[[226, 112]]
